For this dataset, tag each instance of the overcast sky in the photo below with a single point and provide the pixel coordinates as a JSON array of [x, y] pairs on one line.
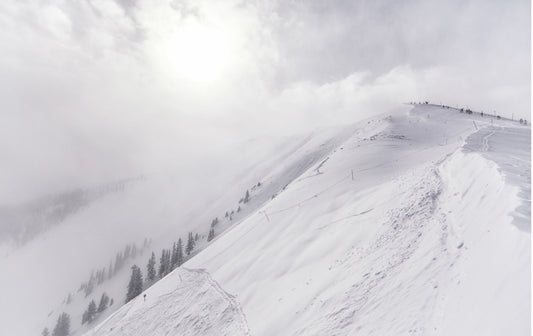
[[95, 90]]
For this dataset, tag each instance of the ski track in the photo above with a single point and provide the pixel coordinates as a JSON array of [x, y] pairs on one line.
[[191, 308], [231, 299], [396, 245], [486, 147]]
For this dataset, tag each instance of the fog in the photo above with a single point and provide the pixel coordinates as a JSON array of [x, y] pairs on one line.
[[94, 91]]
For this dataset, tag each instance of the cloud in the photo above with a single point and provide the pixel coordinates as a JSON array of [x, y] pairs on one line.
[[97, 90]]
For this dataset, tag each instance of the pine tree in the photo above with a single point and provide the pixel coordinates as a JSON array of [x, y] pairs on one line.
[[90, 286], [173, 259], [62, 327], [110, 270], [190, 244], [179, 253], [246, 197], [163, 264], [111, 302], [150, 268], [211, 234], [135, 286], [45, 332], [104, 300], [100, 276], [91, 311], [167, 262]]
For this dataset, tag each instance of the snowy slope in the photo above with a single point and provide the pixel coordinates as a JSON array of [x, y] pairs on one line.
[[162, 207], [187, 302], [412, 224]]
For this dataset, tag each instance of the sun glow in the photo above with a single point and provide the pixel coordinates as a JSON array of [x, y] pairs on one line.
[[198, 52]]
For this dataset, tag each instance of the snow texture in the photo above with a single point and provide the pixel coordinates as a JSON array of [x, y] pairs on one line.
[[415, 224], [411, 223], [187, 302]]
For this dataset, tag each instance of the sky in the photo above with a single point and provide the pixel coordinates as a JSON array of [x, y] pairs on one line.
[[97, 90]]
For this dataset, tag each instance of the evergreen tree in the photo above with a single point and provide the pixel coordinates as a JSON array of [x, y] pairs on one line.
[[211, 234], [110, 270], [150, 268], [45, 332], [100, 276], [90, 286], [246, 197], [135, 286], [163, 264], [168, 262], [190, 244], [173, 258], [179, 253], [104, 300], [62, 327], [111, 302], [91, 311]]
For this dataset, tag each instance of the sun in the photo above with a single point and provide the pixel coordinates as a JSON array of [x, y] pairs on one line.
[[198, 52]]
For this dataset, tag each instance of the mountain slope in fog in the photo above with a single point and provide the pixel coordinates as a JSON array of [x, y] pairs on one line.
[[159, 208], [407, 226]]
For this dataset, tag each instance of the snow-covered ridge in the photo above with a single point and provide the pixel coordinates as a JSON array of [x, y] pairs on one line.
[[399, 228], [164, 207]]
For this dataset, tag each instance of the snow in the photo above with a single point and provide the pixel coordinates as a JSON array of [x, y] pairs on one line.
[[413, 223], [186, 302], [163, 207]]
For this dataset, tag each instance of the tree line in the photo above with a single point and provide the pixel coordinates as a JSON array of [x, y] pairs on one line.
[[97, 277], [169, 260]]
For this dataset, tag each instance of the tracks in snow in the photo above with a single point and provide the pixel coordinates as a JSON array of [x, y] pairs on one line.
[[230, 299], [187, 302], [397, 265], [485, 146]]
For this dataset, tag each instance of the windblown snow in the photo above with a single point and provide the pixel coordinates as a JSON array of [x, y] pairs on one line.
[[415, 223]]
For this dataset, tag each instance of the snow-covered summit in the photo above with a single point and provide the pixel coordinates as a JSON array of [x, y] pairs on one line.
[[412, 223]]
